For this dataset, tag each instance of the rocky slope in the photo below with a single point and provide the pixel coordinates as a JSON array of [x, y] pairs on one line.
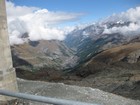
[[39, 54], [115, 70], [83, 94]]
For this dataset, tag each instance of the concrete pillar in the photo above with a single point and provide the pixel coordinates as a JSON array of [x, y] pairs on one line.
[[7, 72]]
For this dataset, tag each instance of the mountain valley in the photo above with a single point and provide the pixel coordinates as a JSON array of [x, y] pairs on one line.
[[89, 56]]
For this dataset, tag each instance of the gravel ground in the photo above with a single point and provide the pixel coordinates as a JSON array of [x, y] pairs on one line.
[[60, 90]]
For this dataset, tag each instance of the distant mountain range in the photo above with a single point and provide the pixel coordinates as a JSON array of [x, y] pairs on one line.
[[80, 45], [104, 55], [89, 41]]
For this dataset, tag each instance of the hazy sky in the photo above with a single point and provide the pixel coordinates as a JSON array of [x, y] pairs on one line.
[[93, 10]]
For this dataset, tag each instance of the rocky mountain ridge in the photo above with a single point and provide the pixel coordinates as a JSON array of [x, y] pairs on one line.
[[94, 38], [38, 54]]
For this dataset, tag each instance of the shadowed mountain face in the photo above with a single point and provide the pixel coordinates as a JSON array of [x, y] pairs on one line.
[[92, 39], [110, 62], [115, 70]]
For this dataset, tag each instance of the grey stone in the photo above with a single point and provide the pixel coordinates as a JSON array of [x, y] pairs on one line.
[[7, 73], [133, 57]]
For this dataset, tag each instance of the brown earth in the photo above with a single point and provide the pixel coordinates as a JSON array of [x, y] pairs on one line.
[[109, 71]]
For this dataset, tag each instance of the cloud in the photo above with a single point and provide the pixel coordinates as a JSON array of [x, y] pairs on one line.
[[40, 24], [132, 16], [17, 11]]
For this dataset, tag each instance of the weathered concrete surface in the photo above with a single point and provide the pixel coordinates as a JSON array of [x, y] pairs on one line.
[[7, 72], [60, 90]]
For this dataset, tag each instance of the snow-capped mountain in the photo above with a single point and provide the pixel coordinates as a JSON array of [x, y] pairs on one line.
[[112, 31]]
